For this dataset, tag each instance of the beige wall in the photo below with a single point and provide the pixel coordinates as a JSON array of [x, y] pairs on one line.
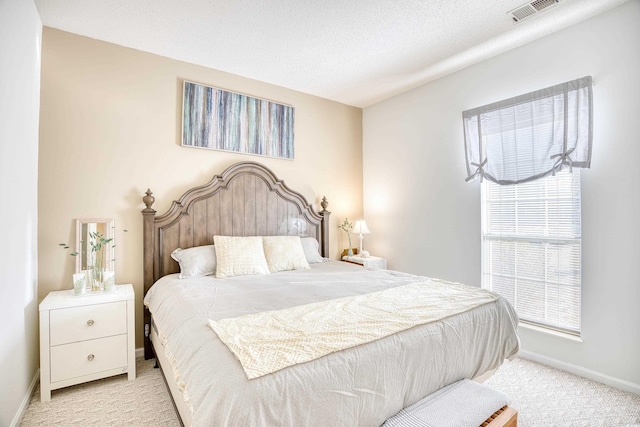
[[110, 127], [427, 220]]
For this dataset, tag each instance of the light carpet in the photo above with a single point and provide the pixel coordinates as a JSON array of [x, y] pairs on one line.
[[113, 401], [546, 396], [543, 396]]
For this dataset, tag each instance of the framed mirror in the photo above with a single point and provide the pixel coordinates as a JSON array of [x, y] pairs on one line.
[[91, 233]]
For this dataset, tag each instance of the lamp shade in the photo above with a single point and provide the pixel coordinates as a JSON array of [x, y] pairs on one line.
[[360, 227]]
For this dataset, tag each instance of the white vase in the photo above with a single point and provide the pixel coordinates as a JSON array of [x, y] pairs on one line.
[[79, 284], [109, 281]]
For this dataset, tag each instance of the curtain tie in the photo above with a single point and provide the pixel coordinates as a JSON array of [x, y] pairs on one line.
[[563, 159], [479, 172]]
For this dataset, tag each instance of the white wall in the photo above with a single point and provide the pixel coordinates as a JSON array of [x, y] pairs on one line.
[[425, 219], [20, 37]]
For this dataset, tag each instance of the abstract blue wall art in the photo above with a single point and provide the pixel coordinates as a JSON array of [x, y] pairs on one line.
[[221, 120]]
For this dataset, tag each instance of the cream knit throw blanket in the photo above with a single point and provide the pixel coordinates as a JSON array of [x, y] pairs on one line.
[[269, 341]]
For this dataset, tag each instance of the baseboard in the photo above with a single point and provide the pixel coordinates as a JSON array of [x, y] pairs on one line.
[[25, 401], [581, 372], [139, 352]]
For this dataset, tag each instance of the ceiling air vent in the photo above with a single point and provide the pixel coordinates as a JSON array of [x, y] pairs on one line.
[[531, 8]]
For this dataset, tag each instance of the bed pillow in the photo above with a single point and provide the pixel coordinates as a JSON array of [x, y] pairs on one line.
[[239, 256], [311, 250], [196, 262], [284, 253]]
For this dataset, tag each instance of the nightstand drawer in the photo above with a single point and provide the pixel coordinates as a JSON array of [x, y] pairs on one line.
[[75, 324], [88, 357]]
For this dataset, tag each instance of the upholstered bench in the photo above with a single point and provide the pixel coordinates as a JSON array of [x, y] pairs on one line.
[[463, 403]]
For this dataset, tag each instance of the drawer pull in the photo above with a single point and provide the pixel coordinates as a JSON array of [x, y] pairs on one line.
[[90, 357], [90, 322]]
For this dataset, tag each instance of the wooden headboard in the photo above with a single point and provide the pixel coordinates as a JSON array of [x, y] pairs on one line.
[[246, 200]]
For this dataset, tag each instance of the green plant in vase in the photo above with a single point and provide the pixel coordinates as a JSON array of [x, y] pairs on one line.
[[94, 258], [97, 243], [347, 227]]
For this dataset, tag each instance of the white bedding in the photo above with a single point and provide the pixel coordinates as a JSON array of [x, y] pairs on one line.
[[363, 385]]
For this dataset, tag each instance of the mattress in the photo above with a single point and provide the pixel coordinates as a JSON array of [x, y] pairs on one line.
[[359, 386]]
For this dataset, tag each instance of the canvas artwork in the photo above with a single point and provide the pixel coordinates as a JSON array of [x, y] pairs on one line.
[[221, 120]]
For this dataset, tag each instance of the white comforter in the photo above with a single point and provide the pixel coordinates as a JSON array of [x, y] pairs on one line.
[[363, 385]]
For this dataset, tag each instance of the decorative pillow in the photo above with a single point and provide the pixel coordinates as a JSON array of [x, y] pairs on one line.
[[196, 262], [238, 256], [284, 253], [311, 250]]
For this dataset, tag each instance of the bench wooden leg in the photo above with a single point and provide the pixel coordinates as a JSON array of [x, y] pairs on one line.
[[505, 417]]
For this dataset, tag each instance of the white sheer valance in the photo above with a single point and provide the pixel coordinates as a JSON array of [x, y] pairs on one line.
[[532, 135]]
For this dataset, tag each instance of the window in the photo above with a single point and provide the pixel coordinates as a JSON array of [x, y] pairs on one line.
[[528, 151], [531, 237]]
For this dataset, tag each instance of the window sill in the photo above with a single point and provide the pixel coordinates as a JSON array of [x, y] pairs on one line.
[[548, 331]]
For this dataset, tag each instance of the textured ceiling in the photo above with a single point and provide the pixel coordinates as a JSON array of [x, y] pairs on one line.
[[357, 52]]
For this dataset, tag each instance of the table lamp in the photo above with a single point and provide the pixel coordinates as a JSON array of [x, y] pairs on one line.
[[361, 228]]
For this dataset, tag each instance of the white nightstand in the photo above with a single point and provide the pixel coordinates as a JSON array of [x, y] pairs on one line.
[[86, 337], [373, 262]]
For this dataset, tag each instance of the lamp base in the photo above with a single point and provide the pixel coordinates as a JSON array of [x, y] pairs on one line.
[[364, 254]]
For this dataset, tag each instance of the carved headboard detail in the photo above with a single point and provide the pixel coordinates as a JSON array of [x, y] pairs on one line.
[[246, 200]]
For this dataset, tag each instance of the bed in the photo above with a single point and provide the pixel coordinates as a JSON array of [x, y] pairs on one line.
[[360, 385]]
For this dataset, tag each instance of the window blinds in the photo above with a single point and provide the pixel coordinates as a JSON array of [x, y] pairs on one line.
[[531, 248], [532, 135]]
